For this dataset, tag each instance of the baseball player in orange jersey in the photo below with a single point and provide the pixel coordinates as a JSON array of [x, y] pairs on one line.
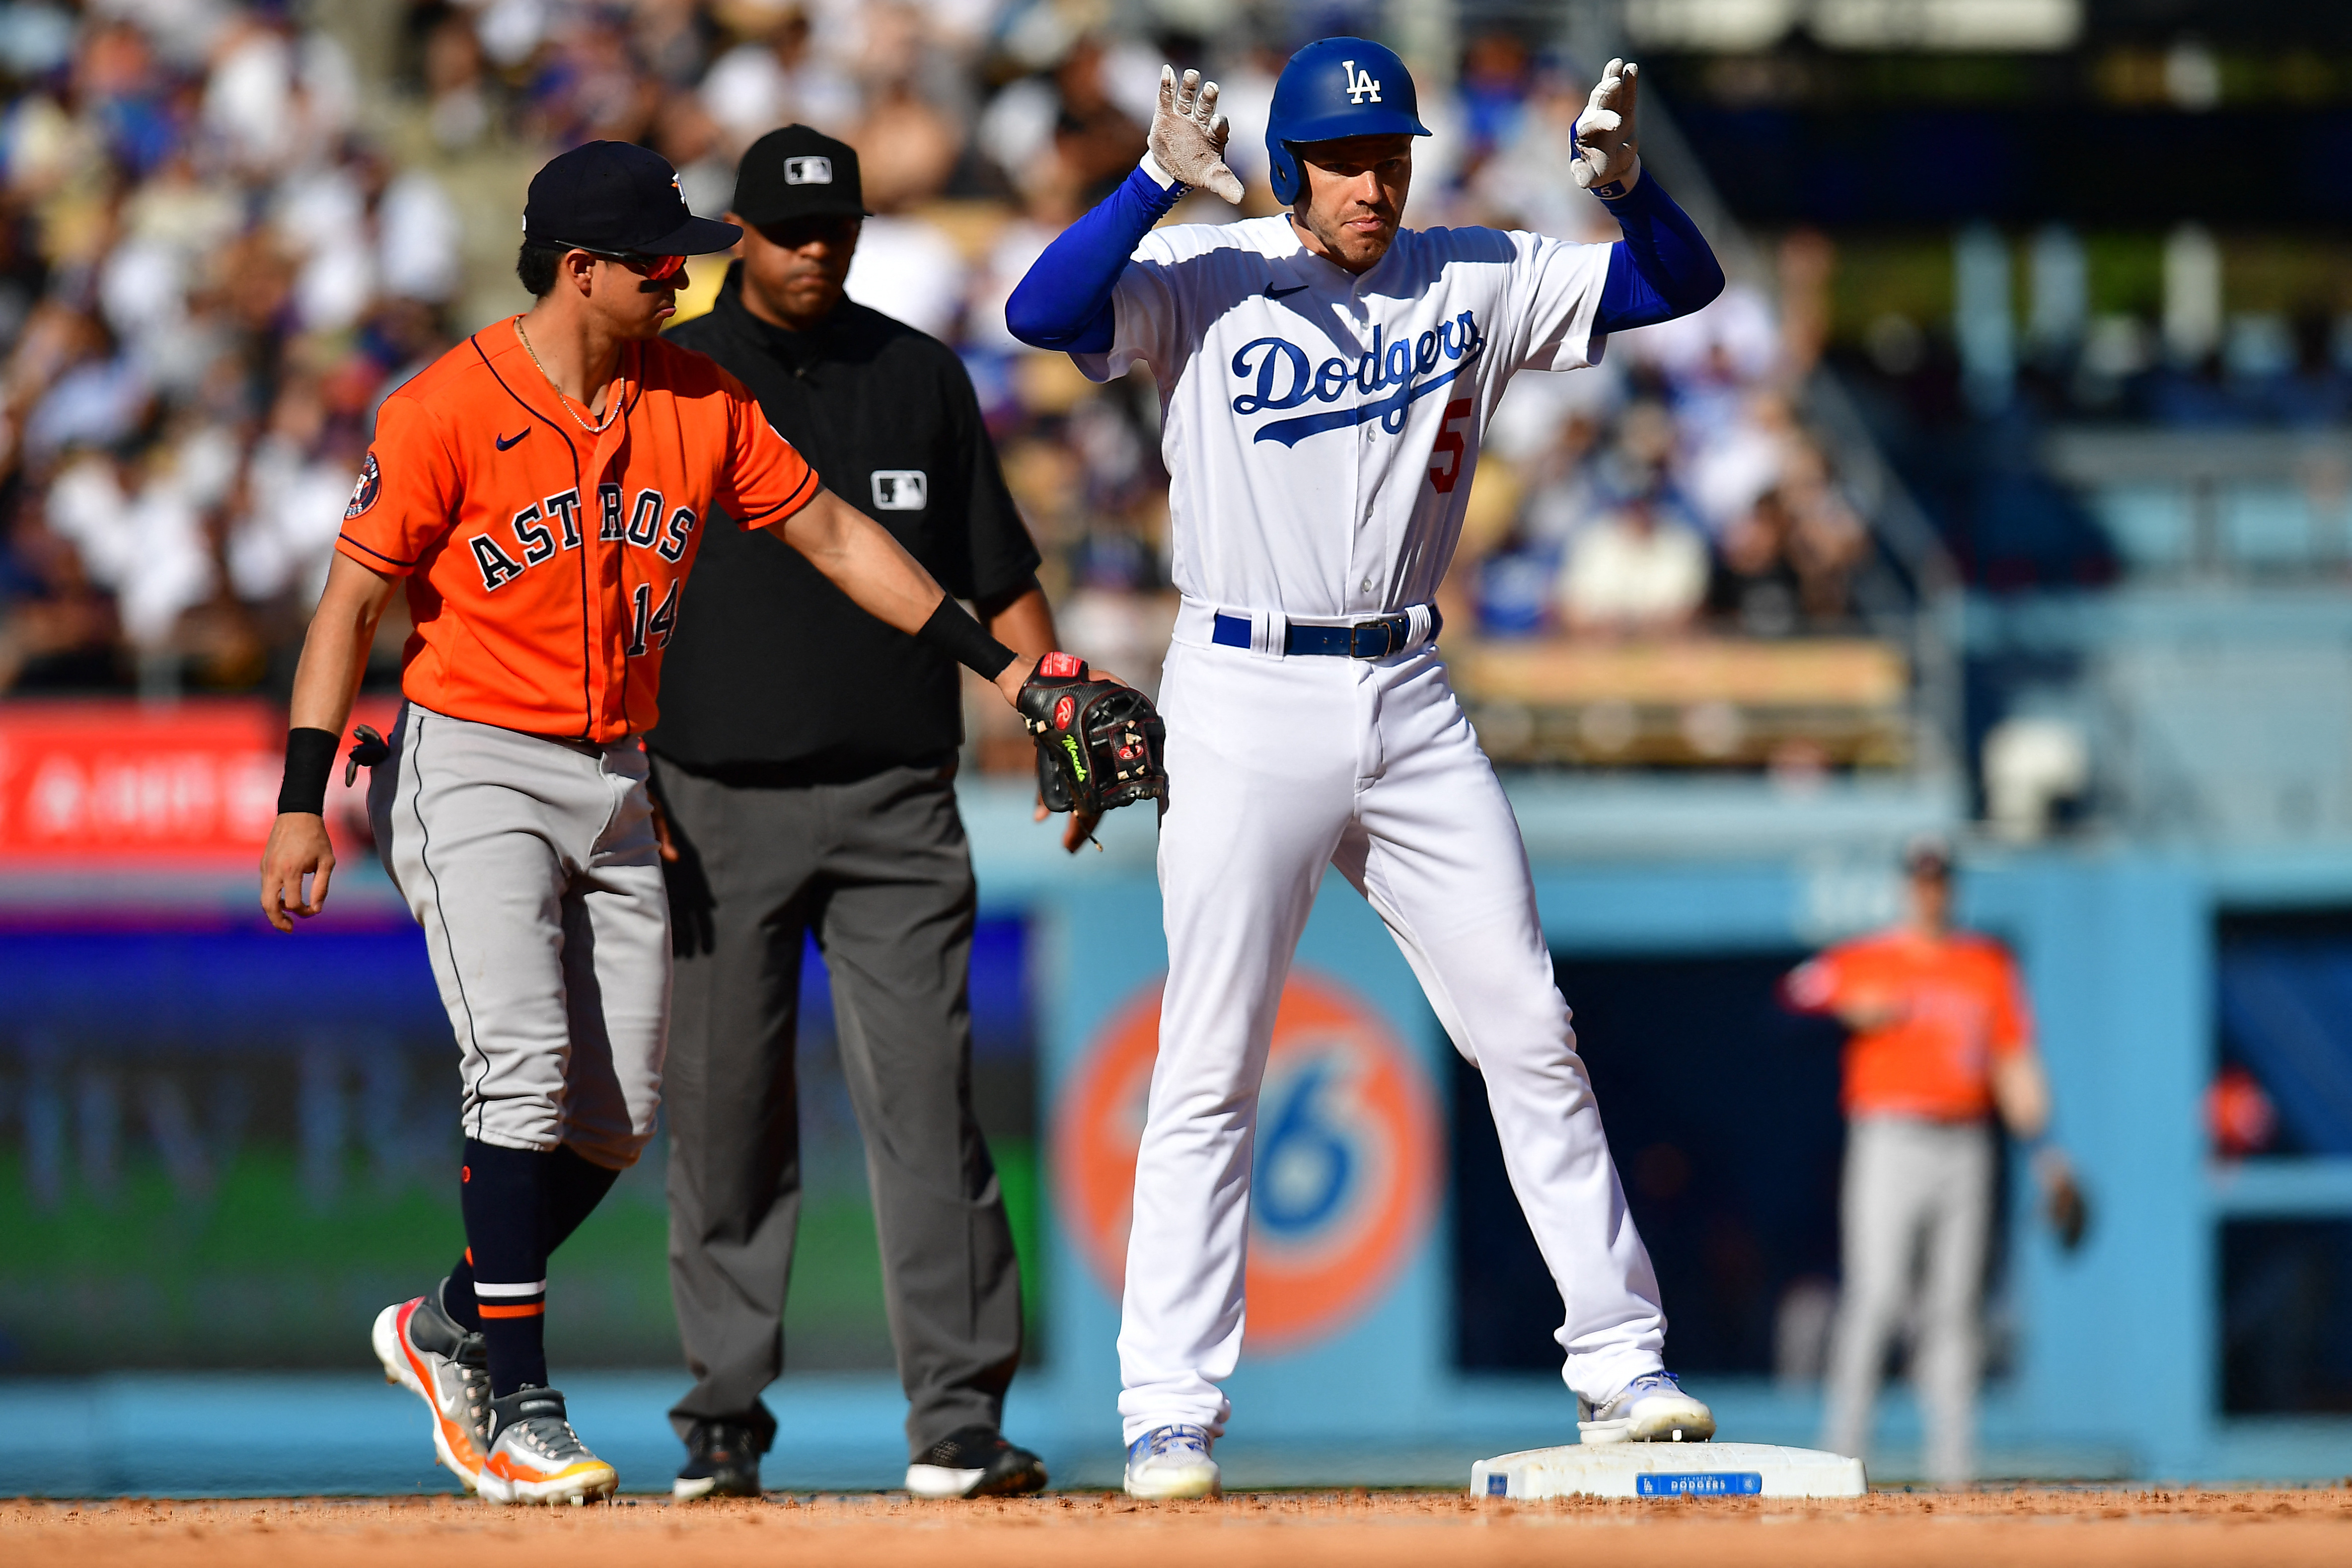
[[541, 489], [1943, 1040]]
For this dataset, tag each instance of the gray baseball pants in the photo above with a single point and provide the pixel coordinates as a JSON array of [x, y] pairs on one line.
[[1913, 1186], [531, 866], [879, 870]]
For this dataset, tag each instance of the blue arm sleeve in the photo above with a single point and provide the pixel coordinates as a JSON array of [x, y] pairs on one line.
[[1661, 270], [1065, 302]]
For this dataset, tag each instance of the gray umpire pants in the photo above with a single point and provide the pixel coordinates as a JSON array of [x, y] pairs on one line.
[[1915, 1190], [878, 870]]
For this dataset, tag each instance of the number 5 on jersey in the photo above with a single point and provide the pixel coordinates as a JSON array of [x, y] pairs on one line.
[[660, 624], [1449, 445]]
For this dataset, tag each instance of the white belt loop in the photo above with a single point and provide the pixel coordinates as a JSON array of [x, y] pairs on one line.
[[1195, 622], [1269, 633], [1417, 625]]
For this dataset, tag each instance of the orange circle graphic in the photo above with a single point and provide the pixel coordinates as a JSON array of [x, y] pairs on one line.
[[1345, 1176]]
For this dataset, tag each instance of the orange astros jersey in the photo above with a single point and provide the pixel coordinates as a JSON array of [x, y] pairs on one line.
[[545, 563], [1961, 1008]]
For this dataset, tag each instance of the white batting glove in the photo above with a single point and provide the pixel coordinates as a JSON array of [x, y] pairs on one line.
[[1608, 152], [1188, 136]]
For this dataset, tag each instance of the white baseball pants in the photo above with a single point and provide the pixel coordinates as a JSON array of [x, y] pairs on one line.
[[1279, 767], [531, 866], [1913, 1188]]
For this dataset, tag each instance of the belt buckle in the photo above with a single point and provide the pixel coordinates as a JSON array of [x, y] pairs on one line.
[[1386, 626]]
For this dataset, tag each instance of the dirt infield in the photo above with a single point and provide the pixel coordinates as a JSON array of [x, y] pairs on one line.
[[1275, 1530]]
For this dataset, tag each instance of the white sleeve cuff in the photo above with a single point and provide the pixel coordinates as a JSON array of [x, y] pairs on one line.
[[1622, 187], [1159, 176]]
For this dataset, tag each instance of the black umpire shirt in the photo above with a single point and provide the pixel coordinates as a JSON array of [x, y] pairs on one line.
[[773, 674]]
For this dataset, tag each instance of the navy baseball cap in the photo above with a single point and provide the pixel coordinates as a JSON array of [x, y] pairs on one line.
[[1929, 855], [798, 172], [618, 196]]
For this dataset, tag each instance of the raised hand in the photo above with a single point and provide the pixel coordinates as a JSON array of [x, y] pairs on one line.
[[1608, 148], [1188, 135]]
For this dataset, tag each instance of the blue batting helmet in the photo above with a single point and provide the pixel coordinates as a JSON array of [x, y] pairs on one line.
[[1335, 88]]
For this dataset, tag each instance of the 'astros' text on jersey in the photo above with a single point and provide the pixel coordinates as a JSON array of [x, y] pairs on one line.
[[545, 563]]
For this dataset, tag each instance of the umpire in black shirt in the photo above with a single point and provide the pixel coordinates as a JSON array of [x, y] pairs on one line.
[[827, 804]]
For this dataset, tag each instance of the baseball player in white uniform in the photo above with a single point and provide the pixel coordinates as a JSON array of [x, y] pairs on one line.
[[1325, 376]]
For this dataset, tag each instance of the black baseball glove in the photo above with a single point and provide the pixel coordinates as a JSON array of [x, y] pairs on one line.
[[2068, 1211], [1100, 744]]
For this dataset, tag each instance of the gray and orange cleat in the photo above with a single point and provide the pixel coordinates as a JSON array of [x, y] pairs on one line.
[[1652, 1408], [535, 1457], [423, 1351]]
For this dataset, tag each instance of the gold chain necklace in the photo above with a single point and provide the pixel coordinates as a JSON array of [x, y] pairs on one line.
[[596, 429]]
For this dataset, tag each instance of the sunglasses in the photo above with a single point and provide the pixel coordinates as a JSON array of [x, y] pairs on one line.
[[657, 268]]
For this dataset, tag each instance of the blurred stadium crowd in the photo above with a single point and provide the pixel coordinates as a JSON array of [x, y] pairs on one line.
[[227, 231]]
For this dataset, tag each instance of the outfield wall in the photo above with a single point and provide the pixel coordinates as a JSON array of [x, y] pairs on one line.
[[219, 1148]]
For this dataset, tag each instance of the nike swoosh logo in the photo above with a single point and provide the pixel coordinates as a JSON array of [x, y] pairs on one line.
[[1273, 293], [505, 441]]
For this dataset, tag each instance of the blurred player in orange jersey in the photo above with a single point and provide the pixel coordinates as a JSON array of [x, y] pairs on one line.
[[1943, 1039]]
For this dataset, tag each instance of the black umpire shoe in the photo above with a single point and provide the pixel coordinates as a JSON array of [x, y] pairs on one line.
[[975, 1461], [722, 1459]]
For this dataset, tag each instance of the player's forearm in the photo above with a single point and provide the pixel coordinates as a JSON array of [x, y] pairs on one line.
[[858, 556], [1024, 624], [1663, 268], [1064, 301], [335, 650], [2021, 1092], [326, 683]]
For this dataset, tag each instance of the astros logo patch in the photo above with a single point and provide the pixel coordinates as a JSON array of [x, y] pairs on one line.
[[363, 494]]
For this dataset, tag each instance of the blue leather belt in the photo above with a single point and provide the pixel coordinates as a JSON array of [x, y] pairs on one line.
[[1365, 639]]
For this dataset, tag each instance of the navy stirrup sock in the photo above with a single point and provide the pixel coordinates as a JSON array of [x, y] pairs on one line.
[[570, 1189], [504, 1196], [574, 1187]]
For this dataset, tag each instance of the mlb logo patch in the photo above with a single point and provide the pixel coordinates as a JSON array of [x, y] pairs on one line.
[[900, 489], [813, 169]]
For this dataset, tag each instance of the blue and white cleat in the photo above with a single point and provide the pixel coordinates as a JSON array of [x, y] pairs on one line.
[[1172, 1462], [1652, 1408]]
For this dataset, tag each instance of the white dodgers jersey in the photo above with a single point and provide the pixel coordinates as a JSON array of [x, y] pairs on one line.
[[1320, 428]]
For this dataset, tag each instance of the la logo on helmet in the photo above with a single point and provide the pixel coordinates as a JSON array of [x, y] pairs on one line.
[[1361, 87]]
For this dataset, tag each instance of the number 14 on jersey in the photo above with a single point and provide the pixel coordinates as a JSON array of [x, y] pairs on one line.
[[659, 623]]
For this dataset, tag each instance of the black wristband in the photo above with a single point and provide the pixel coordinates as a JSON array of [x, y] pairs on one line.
[[310, 758], [965, 640]]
